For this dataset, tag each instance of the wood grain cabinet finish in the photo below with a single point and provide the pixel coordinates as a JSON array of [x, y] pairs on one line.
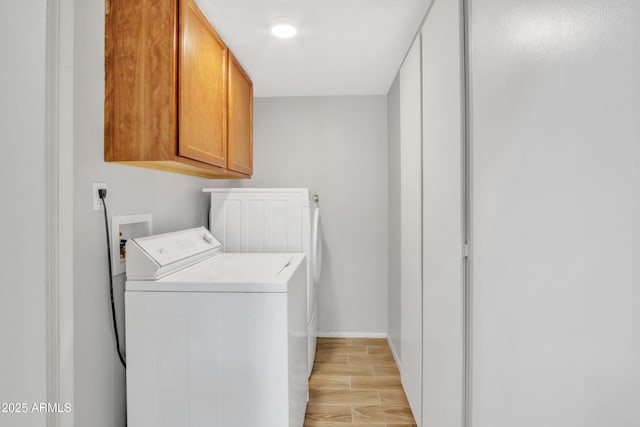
[[172, 92], [202, 99], [240, 119]]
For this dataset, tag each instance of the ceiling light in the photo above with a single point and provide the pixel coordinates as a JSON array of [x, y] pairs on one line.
[[283, 30]]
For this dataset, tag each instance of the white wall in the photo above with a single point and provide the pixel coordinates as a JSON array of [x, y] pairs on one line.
[[22, 179], [337, 147], [443, 307], [411, 227], [393, 123], [175, 201], [556, 170]]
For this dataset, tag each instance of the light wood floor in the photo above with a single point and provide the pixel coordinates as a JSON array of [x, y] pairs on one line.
[[356, 383]]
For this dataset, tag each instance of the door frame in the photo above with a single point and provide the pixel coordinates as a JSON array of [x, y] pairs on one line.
[[59, 209]]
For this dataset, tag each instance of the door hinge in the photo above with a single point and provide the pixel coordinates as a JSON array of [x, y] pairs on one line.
[[465, 250]]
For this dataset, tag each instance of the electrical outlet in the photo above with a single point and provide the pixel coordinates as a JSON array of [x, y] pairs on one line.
[[97, 203]]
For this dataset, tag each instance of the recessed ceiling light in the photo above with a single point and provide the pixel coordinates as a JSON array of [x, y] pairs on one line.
[[282, 30]]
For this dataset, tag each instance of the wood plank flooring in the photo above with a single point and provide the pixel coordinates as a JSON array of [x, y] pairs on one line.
[[356, 383]]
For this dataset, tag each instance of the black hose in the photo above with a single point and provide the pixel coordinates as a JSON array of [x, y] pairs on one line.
[[113, 307]]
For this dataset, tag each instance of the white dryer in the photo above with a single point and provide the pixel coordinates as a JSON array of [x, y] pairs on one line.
[[273, 220], [214, 339]]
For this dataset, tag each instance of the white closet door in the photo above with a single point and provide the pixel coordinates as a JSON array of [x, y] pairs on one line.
[[411, 228], [556, 222], [443, 309]]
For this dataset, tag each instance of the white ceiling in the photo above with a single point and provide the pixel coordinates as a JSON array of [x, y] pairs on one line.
[[343, 47]]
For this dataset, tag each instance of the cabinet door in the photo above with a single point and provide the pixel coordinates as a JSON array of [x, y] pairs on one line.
[[443, 312], [202, 99], [411, 229], [240, 110]]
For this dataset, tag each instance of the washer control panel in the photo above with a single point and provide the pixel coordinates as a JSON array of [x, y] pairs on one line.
[[159, 255]]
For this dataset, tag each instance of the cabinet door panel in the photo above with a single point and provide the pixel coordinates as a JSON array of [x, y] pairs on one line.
[[140, 81], [203, 92], [442, 215], [411, 229], [240, 128]]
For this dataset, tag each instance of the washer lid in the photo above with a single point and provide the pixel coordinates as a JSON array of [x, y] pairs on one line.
[[239, 273]]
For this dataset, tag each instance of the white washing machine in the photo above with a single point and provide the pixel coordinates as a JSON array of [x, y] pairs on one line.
[[273, 220], [214, 339]]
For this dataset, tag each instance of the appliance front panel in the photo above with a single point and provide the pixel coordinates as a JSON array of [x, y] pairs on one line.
[[215, 359], [258, 222]]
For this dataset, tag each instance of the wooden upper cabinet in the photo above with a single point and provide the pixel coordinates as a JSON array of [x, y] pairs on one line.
[[175, 98], [240, 119], [202, 100], [141, 120]]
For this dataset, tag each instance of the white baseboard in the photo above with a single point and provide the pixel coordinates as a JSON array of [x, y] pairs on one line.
[[395, 353], [353, 335]]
